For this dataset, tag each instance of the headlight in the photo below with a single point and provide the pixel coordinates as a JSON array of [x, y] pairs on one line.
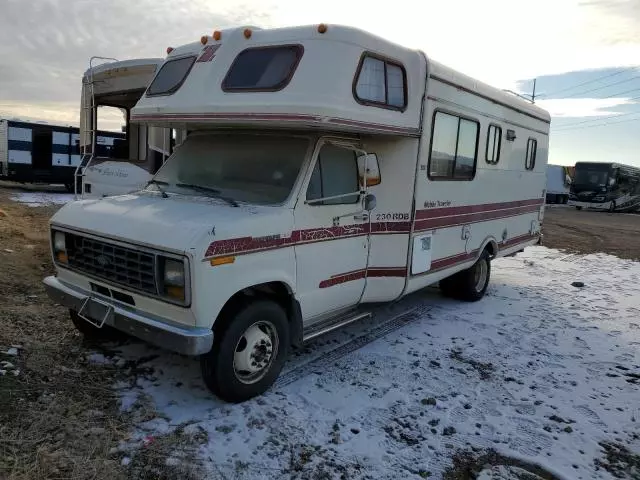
[[173, 279], [174, 273], [60, 247], [59, 242]]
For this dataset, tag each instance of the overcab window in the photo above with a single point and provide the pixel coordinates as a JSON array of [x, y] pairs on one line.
[[263, 69], [171, 76]]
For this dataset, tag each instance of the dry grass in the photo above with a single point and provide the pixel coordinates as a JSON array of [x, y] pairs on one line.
[[59, 417]]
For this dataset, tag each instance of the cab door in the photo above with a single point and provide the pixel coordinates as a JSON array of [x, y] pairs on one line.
[[333, 245]]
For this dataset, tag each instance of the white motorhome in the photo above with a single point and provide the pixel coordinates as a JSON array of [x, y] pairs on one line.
[[114, 88], [326, 170]]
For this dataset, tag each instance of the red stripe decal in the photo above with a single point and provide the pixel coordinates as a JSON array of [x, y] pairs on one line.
[[436, 265], [486, 207], [426, 219], [444, 222], [360, 274]]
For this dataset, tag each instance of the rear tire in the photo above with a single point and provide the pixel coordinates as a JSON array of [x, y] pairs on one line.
[[471, 284], [578, 208], [248, 352], [94, 334]]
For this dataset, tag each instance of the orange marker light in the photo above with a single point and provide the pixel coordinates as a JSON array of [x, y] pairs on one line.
[[217, 35], [169, 50], [204, 39], [247, 33], [221, 261], [322, 28]]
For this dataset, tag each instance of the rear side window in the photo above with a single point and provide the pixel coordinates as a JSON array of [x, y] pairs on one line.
[[494, 140], [263, 69], [382, 83], [171, 76], [532, 150], [454, 147]]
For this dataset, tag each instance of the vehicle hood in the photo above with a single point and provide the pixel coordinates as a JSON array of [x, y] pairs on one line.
[[185, 224]]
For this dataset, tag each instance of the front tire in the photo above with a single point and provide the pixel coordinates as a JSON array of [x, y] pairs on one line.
[[612, 206], [248, 353]]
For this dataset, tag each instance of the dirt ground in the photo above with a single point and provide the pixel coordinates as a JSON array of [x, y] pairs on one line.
[[59, 415], [583, 231]]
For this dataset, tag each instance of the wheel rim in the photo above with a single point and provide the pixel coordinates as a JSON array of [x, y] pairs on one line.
[[480, 275], [255, 352]]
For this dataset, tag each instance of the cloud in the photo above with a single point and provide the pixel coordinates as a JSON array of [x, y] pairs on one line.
[[45, 45], [621, 18], [584, 107]]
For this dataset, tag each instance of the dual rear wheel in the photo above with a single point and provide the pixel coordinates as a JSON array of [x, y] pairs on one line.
[[471, 284]]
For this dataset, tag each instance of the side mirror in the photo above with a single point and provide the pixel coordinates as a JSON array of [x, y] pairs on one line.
[[369, 202], [373, 169]]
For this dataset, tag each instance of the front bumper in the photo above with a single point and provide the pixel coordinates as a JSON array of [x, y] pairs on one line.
[[150, 328], [590, 205]]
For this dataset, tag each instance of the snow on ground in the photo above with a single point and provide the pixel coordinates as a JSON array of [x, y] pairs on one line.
[[39, 199], [539, 370]]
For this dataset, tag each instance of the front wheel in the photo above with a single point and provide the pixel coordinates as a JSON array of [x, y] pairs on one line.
[[612, 206], [248, 353]]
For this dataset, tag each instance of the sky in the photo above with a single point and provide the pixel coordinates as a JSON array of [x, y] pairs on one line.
[[585, 54]]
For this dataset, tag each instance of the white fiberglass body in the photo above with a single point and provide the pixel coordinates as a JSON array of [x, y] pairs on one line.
[[299, 198]]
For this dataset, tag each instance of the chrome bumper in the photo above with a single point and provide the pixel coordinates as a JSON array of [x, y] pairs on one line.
[[152, 329]]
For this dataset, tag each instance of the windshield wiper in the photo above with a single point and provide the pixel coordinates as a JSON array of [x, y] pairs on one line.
[[158, 184], [213, 191]]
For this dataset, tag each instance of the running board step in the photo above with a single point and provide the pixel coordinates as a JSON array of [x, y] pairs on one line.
[[331, 324]]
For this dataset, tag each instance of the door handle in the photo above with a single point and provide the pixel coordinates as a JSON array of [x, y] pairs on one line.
[[361, 216]]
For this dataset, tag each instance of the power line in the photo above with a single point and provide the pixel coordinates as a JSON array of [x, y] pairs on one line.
[[562, 127], [600, 125], [587, 82], [603, 86], [621, 93]]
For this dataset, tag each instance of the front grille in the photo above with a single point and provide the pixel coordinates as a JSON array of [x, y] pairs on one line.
[[121, 265]]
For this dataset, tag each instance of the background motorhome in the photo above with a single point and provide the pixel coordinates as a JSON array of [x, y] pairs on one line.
[[606, 186], [35, 152], [109, 92], [558, 184]]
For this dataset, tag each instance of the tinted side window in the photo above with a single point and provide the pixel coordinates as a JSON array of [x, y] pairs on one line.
[[454, 147], [381, 83], [263, 69], [494, 141], [171, 76], [532, 150], [335, 173]]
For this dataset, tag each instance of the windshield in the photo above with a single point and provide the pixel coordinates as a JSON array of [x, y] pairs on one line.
[[246, 168], [591, 177]]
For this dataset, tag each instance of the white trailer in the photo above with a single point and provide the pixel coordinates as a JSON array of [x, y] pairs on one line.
[[141, 150], [558, 184], [326, 170]]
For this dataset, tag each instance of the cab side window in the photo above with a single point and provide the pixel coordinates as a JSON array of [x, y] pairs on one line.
[[335, 173]]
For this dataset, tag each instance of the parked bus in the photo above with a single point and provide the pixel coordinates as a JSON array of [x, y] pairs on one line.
[[109, 92], [38, 152], [299, 201], [606, 186], [558, 184]]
